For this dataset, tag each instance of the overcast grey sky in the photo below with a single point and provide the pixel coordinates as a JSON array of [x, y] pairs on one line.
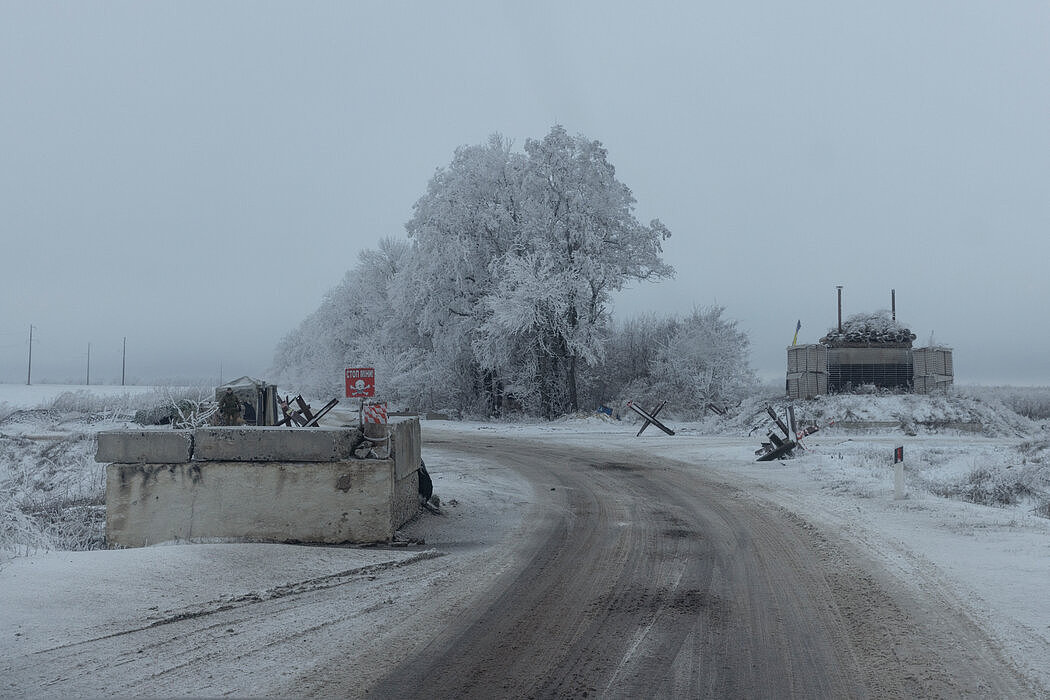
[[194, 176]]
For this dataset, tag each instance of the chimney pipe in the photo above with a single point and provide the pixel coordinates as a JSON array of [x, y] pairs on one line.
[[893, 303], [839, 287]]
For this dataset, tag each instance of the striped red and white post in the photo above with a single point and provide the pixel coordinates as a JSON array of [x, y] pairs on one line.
[[374, 412]]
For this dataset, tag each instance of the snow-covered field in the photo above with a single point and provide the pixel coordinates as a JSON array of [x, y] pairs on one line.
[[41, 395], [975, 520]]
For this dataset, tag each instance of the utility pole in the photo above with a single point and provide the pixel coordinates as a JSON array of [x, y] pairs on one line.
[[839, 287], [88, 382], [123, 360], [29, 376]]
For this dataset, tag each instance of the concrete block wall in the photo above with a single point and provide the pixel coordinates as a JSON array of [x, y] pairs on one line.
[[326, 502], [273, 444], [405, 446], [145, 446], [260, 484]]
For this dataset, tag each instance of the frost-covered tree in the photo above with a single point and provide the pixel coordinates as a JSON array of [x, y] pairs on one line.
[[688, 362], [466, 222], [353, 325], [519, 336], [630, 350], [578, 241], [503, 292], [704, 360]]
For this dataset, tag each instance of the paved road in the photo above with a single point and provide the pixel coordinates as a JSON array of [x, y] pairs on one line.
[[637, 577]]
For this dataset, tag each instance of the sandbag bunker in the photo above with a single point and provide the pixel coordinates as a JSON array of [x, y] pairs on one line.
[[260, 484]]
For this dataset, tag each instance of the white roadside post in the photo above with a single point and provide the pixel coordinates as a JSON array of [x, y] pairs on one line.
[[898, 474]]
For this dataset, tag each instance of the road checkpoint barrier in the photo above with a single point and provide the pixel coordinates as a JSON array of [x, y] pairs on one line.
[[259, 484], [777, 447], [650, 418]]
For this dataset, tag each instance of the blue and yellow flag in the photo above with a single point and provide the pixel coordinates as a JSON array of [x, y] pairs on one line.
[[798, 327]]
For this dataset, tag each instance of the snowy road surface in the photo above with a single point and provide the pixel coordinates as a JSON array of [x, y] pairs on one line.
[[563, 567], [638, 576]]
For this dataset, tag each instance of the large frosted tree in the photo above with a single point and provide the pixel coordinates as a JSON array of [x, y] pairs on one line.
[[501, 295], [353, 325], [465, 223], [703, 360], [577, 241]]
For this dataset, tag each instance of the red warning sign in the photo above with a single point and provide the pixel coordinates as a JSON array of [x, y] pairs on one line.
[[360, 382]]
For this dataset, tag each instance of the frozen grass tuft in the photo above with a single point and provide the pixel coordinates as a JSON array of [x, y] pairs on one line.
[[1002, 480], [52, 494], [994, 488]]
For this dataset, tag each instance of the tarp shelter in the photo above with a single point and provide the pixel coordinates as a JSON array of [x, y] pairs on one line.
[[257, 398]]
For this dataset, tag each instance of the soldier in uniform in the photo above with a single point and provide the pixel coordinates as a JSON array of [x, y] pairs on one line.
[[229, 408]]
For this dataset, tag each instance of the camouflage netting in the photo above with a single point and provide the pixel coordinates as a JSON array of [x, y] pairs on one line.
[[878, 327]]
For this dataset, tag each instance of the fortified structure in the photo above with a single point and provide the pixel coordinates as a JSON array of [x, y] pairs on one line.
[[259, 484], [867, 350]]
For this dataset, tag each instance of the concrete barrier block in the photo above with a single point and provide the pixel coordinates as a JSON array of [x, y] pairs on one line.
[[330, 502], [406, 441], [376, 431], [273, 444], [406, 447], [144, 446]]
